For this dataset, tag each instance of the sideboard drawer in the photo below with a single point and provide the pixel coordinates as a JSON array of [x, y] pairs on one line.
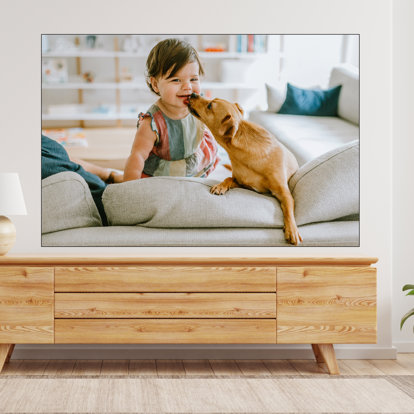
[[165, 305], [26, 305], [165, 331], [326, 305], [165, 279]]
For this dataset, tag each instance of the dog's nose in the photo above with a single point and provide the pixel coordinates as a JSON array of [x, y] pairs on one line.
[[194, 95]]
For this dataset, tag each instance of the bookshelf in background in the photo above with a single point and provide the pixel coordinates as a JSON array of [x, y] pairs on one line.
[[99, 78]]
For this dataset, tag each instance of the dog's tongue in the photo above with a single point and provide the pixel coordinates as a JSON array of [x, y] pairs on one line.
[[187, 100]]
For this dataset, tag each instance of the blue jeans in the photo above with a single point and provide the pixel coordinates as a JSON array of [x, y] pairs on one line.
[[55, 159]]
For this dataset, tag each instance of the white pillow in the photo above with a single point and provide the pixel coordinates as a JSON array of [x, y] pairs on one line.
[[276, 95]]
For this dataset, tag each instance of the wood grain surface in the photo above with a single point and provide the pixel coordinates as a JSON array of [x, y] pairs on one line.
[[82, 260], [326, 305], [165, 305], [165, 279], [165, 331], [26, 305]]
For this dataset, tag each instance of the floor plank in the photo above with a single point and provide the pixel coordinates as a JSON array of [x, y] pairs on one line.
[[225, 367], [309, 367], [403, 365], [344, 369], [33, 366], [59, 367], [115, 367], [12, 367], [170, 367], [87, 367], [253, 367], [280, 367], [389, 367], [198, 367], [406, 361], [362, 367], [146, 367]]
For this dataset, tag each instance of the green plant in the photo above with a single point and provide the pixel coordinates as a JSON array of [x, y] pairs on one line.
[[410, 313]]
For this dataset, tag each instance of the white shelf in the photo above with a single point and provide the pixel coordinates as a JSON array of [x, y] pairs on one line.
[[95, 85], [88, 116], [55, 110], [112, 54], [136, 85]]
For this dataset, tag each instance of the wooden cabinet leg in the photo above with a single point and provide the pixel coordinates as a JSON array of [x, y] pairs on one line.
[[317, 353], [5, 353], [326, 353], [9, 354]]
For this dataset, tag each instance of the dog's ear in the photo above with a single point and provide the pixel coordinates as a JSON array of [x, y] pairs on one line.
[[228, 127], [239, 108]]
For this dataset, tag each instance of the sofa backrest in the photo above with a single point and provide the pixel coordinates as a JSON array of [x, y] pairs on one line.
[[348, 104]]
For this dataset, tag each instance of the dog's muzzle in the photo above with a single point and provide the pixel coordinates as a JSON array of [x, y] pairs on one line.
[[192, 110]]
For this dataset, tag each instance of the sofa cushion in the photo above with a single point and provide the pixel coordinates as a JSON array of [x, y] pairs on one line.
[[313, 102], [336, 233], [348, 104], [307, 137], [67, 203], [327, 188], [180, 202]]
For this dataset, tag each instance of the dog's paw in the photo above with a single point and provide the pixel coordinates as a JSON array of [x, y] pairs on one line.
[[219, 189], [292, 235]]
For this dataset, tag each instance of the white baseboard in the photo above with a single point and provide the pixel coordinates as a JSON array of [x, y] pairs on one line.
[[195, 352], [404, 346]]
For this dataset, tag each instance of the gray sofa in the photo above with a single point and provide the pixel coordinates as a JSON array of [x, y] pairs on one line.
[[175, 211]]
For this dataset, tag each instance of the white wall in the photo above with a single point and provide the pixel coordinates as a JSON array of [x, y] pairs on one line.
[[308, 60], [403, 170], [23, 21]]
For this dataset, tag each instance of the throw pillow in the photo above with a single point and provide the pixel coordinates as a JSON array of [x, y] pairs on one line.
[[276, 95], [67, 203], [311, 101]]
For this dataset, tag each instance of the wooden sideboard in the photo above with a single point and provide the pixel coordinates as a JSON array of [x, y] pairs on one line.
[[108, 300]]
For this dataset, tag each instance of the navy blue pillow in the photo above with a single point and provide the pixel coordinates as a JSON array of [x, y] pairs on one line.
[[316, 102]]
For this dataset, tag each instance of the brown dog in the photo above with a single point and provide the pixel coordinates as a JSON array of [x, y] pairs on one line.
[[259, 162]]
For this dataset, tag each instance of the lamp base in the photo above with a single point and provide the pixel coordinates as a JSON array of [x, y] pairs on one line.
[[7, 235]]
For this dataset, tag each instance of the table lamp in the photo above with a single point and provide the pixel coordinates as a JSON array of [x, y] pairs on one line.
[[11, 203]]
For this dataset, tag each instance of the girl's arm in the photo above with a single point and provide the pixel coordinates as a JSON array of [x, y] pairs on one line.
[[141, 148]]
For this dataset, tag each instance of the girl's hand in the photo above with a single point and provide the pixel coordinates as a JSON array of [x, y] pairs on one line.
[[141, 148], [115, 178]]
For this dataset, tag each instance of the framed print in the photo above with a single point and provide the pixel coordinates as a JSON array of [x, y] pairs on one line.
[[200, 140]]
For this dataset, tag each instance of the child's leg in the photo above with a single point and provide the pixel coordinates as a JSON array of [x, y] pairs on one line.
[[105, 174]]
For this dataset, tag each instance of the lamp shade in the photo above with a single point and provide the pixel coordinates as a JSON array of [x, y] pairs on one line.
[[11, 195]]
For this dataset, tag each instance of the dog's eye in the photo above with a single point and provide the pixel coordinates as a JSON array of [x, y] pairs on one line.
[[209, 106]]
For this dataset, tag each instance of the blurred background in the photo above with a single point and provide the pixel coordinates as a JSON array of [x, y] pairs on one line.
[[93, 86]]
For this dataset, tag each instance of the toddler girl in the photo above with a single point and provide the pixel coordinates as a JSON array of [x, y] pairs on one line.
[[169, 140]]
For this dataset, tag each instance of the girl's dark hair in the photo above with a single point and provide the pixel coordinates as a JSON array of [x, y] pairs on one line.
[[170, 54]]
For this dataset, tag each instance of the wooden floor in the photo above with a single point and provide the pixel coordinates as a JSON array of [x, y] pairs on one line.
[[403, 365], [207, 386]]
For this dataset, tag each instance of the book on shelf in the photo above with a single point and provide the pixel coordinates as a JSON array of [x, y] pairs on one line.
[[251, 43]]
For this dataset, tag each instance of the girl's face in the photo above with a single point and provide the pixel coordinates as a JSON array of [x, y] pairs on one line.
[[175, 91]]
